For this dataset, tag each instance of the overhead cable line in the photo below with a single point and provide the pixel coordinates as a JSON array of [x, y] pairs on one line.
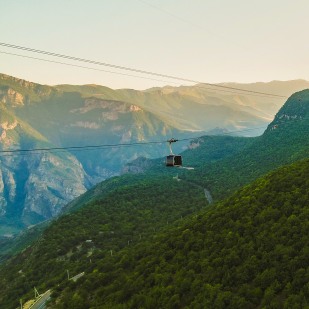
[[83, 67], [79, 147], [14, 152], [131, 75], [133, 69]]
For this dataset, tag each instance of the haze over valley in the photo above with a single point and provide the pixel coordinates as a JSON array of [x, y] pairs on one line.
[[36, 185]]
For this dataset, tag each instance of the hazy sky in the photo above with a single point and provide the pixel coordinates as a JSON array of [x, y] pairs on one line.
[[205, 40]]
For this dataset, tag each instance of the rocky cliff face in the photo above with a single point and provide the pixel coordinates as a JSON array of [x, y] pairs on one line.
[[51, 183], [34, 186]]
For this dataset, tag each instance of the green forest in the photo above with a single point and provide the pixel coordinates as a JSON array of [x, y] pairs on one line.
[[149, 249], [152, 240], [250, 251], [128, 215]]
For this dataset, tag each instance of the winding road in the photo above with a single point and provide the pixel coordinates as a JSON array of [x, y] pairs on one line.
[[206, 191]]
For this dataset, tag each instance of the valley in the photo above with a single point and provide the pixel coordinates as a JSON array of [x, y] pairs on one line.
[[145, 239], [35, 186]]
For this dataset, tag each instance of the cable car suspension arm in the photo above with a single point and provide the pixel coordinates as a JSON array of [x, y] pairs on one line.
[[170, 141]]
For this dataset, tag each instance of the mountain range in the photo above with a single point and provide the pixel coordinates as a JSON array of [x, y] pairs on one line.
[[35, 186], [152, 239]]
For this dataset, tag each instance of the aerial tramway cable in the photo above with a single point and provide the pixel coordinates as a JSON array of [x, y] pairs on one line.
[[137, 76], [216, 86], [14, 152]]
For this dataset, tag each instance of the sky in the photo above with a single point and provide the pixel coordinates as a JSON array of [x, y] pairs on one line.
[[202, 40]]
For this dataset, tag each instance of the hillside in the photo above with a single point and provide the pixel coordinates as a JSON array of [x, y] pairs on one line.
[[249, 251], [225, 163], [127, 215], [68, 115], [200, 107], [24, 198], [131, 214], [286, 140], [35, 186]]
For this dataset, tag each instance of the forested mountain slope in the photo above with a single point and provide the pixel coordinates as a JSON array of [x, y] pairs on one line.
[[68, 115], [151, 201], [225, 163], [218, 147], [133, 208], [286, 140], [126, 216], [250, 251], [140, 247]]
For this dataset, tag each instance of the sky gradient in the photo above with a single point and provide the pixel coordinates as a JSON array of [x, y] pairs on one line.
[[209, 41]]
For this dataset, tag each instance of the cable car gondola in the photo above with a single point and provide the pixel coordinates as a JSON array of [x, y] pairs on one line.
[[172, 159]]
